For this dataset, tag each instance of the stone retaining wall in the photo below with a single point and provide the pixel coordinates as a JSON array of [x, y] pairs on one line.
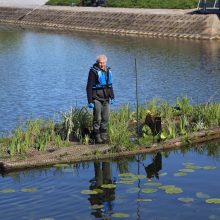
[[191, 26]]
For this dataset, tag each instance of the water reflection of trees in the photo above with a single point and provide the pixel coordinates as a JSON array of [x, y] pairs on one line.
[[9, 38], [211, 149]]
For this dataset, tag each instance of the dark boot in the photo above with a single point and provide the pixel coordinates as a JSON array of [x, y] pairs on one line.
[[104, 137], [98, 139]]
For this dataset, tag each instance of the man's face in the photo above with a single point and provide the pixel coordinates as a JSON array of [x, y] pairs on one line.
[[102, 64]]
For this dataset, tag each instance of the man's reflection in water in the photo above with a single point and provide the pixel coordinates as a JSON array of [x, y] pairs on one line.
[[102, 176], [153, 168]]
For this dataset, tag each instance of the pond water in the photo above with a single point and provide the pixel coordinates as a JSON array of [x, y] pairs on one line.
[[45, 73], [59, 192]]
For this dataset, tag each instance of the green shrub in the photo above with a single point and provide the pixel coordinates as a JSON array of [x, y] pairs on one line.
[[63, 2], [172, 4]]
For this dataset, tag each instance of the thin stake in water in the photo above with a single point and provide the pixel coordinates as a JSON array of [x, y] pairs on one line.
[[137, 101]]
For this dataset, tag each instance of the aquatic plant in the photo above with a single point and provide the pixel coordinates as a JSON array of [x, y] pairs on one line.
[[144, 200], [32, 134], [29, 190], [183, 124], [89, 192], [180, 174], [153, 106], [202, 195], [185, 170], [170, 128], [119, 215], [173, 190], [119, 133], [108, 186], [153, 184], [96, 206], [7, 190], [213, 201], [208, 115], [148, 190], [184, 105], [167, 111], [186, 199], [209, 167], [77, 123], [164, 187]]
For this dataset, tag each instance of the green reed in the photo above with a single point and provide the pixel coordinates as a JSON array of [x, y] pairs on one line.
[[119, 133], [34, 134], [75, 122]]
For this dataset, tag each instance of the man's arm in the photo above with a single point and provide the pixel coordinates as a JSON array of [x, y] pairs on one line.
[[112, 95], [90, 83]]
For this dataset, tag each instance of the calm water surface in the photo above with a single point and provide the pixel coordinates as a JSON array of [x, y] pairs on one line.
[[42, 74], [55, 193]]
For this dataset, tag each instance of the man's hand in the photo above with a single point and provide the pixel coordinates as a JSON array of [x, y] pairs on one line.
[[112, 101], [91, 105]]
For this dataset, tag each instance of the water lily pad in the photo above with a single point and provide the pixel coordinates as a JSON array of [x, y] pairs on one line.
[[47, 219], [213, 201], [187, 163], [152, 184], [29, 190], [186, 200], [108, 186], [126, 174], [180, 174], [96, 206], [98, 190], [144, 200], [60, 165], [149, 190], [174, 190], [164, 187], [88, 192], [187, 170], [133, 190], [202, 195], [128, 179], [7, 190], [209, 167], [139, 176], [120, 215], [126, 182], [163, 174]]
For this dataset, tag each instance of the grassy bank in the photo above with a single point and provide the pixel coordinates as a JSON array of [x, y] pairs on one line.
[[124, 134], [169, 4]]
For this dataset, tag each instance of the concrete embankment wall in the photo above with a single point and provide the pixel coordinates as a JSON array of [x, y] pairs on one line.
[[138, 22]]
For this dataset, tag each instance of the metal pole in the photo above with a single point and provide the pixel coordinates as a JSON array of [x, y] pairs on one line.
[[137, 101]]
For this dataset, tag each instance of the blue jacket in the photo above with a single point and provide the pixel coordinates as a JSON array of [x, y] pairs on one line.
[[99, 84]]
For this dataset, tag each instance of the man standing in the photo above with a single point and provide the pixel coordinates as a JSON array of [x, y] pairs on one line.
[[99, 94]]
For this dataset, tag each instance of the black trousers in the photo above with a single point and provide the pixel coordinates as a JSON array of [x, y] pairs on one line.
[[100, 116]]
